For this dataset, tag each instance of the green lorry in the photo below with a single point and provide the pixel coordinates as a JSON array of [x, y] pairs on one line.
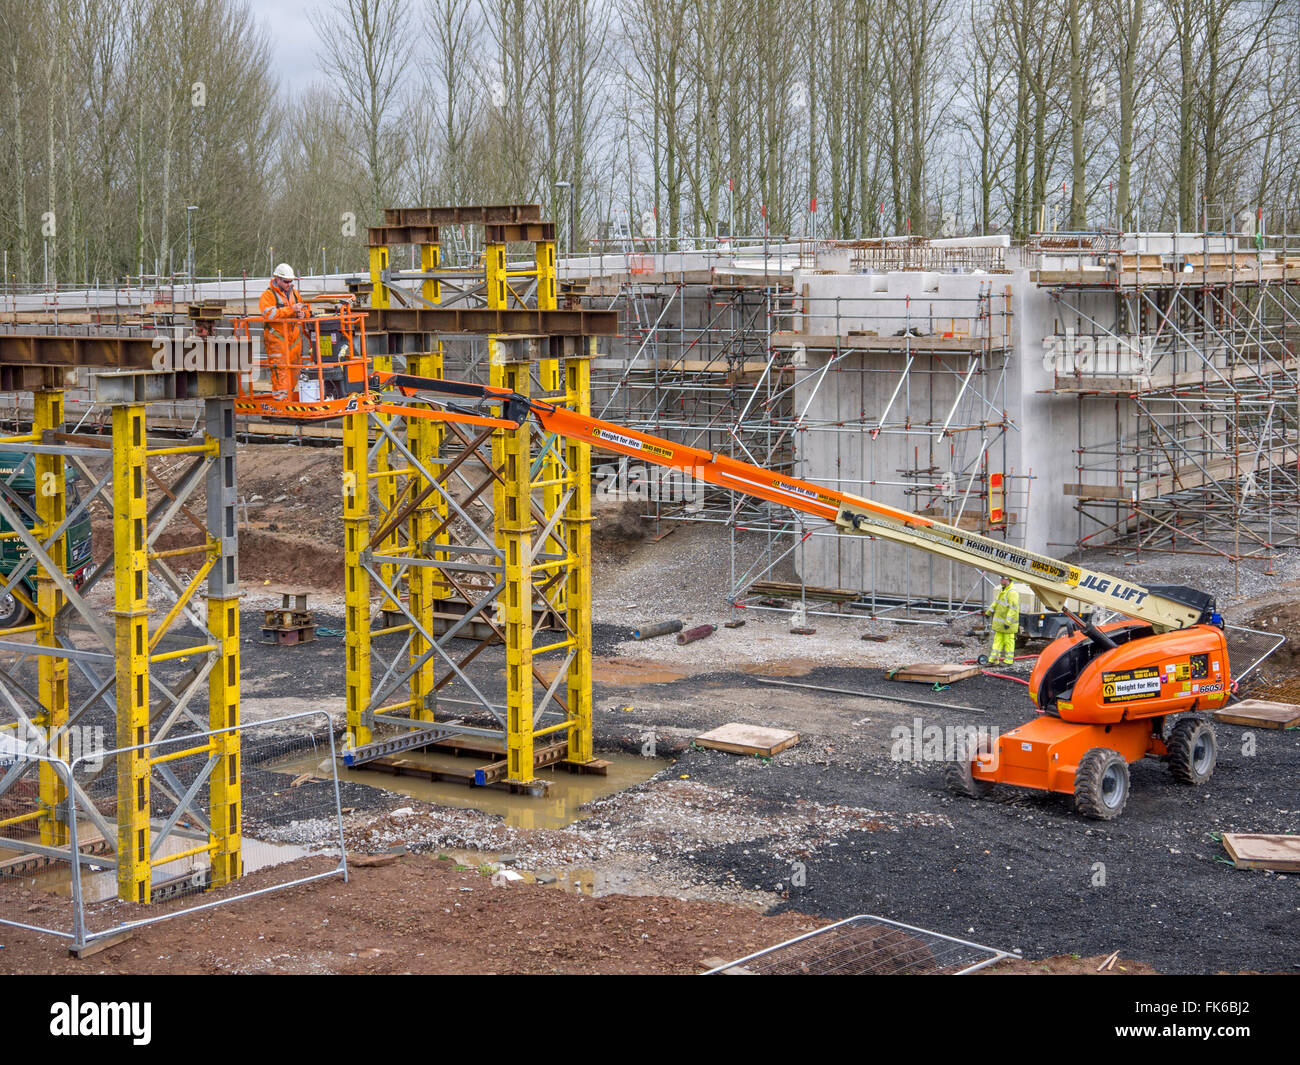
[[18, 471]]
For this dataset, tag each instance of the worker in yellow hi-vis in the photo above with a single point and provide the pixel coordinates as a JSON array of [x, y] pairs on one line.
[[1005, 612]]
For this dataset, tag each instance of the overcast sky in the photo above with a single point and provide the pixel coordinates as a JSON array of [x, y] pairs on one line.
[[293, 41]]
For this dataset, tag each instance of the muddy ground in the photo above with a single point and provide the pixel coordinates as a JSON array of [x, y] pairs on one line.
[[737, 851], [426, 915]]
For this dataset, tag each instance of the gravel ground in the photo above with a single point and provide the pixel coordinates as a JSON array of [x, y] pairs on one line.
[[687, 577]]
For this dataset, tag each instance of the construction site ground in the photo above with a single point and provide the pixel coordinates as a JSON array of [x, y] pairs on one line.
[[713, 854]]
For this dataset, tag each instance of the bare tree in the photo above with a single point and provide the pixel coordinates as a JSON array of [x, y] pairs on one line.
[[454, 34], [989, 74], [366, 50]]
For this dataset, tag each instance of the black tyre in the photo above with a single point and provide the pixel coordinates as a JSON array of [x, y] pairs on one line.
[[1193, 750], [12, 612], [982, 660], [1101, 784], [958, 775]]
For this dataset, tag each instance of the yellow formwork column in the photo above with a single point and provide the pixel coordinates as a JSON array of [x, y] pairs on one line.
[[386, 497], [551, 379], [385, 483], [431, 259], [514, 527], [356, 581], [494, 265], [496, 287], [547, 300], [224, 785], [131, 614], [378, 265], [424, 440], [52, 669], [577, 536]]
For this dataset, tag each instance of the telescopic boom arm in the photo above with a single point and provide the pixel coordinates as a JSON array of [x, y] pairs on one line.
[[1053, 581]]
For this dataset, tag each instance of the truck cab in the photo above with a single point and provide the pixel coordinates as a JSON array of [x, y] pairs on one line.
[[18, 470]]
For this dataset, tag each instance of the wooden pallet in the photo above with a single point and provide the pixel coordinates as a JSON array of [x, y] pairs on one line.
[[1259, 851], [932, 673], [495, 772], [736, 738], [1260, 713]]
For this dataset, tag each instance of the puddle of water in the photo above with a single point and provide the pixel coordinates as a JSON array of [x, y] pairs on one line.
[[611, 877], [574, 880], [557, 808], [98, 884]]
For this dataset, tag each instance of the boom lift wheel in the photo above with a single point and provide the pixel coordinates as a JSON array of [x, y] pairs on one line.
[[1193, 750], [1101, 784], [957, 774]]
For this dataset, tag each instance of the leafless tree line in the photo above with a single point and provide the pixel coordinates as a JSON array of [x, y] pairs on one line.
[[118, 115], [121, 120]]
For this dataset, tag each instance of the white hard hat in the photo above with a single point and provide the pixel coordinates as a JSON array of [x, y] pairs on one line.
[[285, 271]]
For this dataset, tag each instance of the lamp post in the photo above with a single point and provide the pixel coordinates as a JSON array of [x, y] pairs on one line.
[[568, 185], [189, 247]]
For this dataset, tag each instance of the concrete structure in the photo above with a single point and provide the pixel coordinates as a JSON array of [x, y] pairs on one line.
[[1127, 388]]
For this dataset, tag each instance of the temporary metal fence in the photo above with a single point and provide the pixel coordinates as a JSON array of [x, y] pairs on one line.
[[867, 945], [290, 810]]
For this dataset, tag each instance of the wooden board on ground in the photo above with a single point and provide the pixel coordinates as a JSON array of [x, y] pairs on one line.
[[932, 673], [100, 943], [1260, 713], [1259, 851], [747, 739]]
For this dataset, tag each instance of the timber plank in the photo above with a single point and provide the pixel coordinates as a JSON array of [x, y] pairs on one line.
[[736, 738], [932, 673], [1260, 713], [1250, 850]]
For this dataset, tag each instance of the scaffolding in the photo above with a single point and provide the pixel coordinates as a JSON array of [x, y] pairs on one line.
[[720, 351], [131, 668], [1179, 356], [454, 578]]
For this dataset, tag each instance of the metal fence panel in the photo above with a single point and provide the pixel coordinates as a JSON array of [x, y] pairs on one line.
[[288, 790], [37, 882], [867, 945]]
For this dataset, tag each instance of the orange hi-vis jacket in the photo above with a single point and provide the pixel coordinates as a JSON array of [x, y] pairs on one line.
[[283, 340]]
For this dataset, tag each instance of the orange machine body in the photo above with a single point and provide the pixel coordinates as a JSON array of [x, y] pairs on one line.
[[1147, 675], [1107, 697]]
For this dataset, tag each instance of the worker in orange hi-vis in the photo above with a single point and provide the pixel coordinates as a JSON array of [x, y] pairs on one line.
[[281, 306]]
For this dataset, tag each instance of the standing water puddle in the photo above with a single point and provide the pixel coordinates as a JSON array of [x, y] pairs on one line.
[[99, 883], [560, 806]]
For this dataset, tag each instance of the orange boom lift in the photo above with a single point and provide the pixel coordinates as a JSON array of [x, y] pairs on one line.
[[1107, 695]]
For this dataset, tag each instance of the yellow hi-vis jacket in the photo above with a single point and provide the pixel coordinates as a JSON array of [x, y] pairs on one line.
[[1005, 609]]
